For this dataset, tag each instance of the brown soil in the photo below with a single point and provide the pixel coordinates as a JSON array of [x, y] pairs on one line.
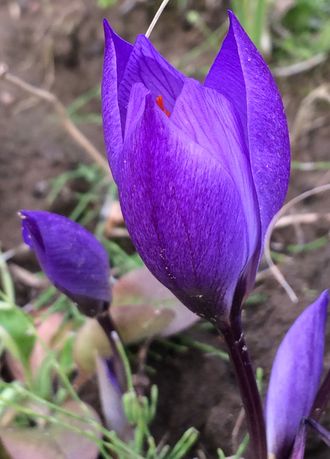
[[59, 45]]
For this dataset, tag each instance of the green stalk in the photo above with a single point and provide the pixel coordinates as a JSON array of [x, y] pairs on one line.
[[259, 24]]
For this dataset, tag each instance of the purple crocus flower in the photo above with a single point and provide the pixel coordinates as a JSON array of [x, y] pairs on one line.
[[201, 168], [72, 258], [295, 380]]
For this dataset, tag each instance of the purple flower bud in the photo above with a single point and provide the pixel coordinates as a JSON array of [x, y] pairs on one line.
[[111, 399], [71, 257], [295, 378], [201, 168]]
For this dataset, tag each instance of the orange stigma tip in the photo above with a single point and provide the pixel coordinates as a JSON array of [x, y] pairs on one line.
[[161, 105]]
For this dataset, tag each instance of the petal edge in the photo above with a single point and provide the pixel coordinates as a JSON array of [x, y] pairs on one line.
[[240, 73]]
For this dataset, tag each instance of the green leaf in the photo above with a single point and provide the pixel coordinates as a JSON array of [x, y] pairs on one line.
[[43, 380], [17, 333], [120, 259], [66, 355], [308, 246], [6, 281]]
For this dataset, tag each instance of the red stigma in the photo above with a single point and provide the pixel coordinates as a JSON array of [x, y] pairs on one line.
[[161, 105]]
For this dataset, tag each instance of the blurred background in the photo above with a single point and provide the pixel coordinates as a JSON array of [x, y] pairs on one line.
[[46, 163]]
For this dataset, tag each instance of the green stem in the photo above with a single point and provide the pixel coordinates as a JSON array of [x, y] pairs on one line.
[[124, 359], [120, 361]]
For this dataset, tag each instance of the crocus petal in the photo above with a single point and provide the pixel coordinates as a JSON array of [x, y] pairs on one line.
[[298, 450], [295, 377], [147, 66], [111, 400], [74, 261], [210, 120], [240, 73], [123, 49], [198, 251], [116, 55]]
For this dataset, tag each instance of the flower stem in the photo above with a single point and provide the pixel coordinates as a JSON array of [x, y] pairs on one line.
[[109, 327], [240, 358]]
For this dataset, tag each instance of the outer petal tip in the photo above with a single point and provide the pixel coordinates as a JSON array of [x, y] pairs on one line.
[[109, 33], [235, 26], [324, 298], [231, 16], [233, 19], [30, 233], [106, 26], [107, 30]]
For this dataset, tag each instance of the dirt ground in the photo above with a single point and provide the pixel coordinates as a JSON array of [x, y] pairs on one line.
[[58, 46]]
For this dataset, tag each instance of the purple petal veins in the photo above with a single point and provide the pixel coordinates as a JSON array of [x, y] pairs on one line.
[[116, 55], [240, 73], [147, 66], [209, 119], [169, 185]]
